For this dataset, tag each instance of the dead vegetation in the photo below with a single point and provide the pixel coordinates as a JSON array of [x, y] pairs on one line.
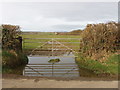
[[100, 40]]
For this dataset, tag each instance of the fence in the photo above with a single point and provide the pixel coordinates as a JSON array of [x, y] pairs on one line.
[[51, 46]]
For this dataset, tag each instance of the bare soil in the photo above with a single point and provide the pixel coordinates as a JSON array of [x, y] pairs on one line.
[[19, 81], [14, 76]]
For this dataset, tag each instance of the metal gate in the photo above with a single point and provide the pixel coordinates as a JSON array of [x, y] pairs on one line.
[[51, 46], [48, 70]]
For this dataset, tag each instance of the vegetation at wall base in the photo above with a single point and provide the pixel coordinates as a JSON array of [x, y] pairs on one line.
[[17, 71], [107, 68], [13, 62]]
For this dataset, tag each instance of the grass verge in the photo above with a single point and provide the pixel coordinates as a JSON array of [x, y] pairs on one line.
[[13, 62], [94, 67]]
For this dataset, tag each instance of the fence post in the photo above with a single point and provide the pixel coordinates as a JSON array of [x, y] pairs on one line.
[[19, 46]]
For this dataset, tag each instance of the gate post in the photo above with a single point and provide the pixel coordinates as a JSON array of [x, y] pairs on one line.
[[19, 45]]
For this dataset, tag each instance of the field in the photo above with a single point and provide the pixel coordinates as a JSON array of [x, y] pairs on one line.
[[35, 40]]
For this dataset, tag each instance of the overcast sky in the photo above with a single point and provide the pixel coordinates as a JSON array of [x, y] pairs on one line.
[[59, 16]]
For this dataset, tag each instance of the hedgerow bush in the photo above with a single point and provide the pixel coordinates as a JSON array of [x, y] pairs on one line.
[[10, 33], [12, 56], [12, 59], [100, 40]]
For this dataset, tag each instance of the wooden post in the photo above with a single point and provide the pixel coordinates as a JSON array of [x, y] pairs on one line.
[[23, 43], [20, 39], [19, 45]]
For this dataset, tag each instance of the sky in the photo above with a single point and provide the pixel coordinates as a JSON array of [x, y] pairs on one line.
[[57, 16]]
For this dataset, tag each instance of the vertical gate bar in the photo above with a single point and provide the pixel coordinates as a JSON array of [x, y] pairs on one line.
[[52, 69], [52, 46]]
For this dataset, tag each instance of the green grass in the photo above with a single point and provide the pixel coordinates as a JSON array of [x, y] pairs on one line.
[[47, 35], [108, 67], [113, 63], [34, 42]]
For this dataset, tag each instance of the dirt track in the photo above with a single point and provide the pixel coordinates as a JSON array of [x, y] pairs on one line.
[[19, 81], [47, 83]]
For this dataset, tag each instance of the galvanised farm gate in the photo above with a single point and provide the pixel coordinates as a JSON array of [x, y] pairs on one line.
[[54, 48]]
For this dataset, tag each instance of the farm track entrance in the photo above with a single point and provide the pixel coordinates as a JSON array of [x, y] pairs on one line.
[[51, 47]]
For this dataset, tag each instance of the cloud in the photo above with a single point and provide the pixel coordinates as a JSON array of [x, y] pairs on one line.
[[62, 16]]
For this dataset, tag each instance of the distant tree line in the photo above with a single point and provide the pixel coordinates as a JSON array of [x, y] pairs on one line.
[[73, 32]]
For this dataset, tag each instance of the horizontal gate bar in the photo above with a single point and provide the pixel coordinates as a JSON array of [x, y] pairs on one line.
[[39, 50], [50, 68], [54, 64], [50, 56], [54, 43], [51, 71], [53, 38]]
